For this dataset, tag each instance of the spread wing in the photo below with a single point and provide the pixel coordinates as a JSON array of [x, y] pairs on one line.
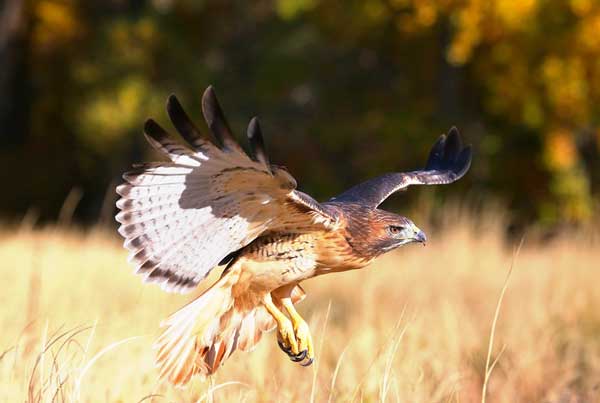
[[181, 218], [448, 161]]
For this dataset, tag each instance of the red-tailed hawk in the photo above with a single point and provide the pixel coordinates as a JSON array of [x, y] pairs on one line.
[[212, 204]]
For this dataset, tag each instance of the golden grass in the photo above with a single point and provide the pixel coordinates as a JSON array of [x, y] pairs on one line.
[[414, 327]]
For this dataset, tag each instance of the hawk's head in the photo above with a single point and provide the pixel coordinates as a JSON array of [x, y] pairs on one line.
[[390, 231], [374, 231]]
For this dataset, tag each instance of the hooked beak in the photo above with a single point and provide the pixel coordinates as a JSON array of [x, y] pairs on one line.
[[420, 237]]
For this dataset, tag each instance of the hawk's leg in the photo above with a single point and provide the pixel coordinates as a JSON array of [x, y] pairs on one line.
[[286, 336], [302, 332]]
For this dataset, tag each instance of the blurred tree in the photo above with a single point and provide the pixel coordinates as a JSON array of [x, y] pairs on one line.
[[13, 65], [360, 87]]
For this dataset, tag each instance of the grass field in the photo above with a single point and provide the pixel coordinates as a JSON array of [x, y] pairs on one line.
[[77, 325]]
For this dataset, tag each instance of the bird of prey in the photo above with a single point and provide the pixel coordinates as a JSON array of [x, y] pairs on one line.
[[212, 204]]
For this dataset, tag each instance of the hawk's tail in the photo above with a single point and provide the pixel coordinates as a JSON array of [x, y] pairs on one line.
[[203, 334]]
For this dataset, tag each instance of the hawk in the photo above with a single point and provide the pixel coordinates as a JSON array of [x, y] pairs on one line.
[[212, 204]]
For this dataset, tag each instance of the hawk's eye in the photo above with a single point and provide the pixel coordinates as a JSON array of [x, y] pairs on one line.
[[395, 229]]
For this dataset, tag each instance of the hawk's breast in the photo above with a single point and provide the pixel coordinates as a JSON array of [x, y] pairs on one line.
[[276, 260]]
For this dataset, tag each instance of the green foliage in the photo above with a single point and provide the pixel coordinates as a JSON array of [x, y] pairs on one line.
[[358, 87]]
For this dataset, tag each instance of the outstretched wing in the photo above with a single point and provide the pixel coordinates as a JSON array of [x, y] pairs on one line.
[[448, 161], [181, 218]]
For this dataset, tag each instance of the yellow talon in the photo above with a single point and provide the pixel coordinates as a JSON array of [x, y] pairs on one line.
[[301, 330], [287, 335]]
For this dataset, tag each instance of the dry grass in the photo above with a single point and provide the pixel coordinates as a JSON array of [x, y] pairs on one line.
[[414, 327]]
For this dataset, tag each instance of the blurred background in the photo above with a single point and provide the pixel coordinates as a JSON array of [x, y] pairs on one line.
[[345, 91]]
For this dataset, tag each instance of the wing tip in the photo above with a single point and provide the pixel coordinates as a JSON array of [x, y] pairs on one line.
[[453, 131], [457, 154], [154, 133], [210, 104], [173, 106], [172, 98], [216, 121], [257, 144], [253, 127], [453, 144], [449, 153], [254, 132], [150, 125], [184, 125]]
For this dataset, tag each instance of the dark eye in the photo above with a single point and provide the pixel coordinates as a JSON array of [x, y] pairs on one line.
[[395, 229]]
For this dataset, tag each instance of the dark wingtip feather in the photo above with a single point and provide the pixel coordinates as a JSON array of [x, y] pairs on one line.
[[212, 111], [215, 119], [453, 131], [174, 108], [160, 140], [448, 153], [154, 130], [209, 104], [183, 123], [453, 145], [437, 153], [172, 98], [211, 108], [257, 144]]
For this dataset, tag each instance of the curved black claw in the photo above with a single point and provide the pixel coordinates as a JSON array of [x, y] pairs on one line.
[[301, 356], [308, 362], [284, 348]]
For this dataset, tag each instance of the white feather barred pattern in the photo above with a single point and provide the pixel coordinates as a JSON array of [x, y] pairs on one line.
[[181, 218]]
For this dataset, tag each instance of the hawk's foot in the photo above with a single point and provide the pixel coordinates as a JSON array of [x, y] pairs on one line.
[[302, 334], [286, 337]]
